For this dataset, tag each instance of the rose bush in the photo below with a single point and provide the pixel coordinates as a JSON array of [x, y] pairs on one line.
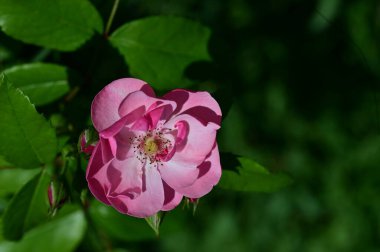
[[152, 151]]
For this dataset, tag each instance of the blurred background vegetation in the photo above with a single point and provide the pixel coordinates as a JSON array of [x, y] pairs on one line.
[[299, 85]]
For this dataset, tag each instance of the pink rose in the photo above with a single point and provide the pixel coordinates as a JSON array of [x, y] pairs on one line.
[[152, 151]]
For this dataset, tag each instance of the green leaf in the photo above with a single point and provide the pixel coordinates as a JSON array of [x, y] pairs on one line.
[[119, 226], [6, 246], [1, 230], [58, 24], [11, 180], [27, 208], [324, 14], [158, 49], [253, 177], [27, 140], [63, 234], [41, 82], [155, 220], [4, 164]]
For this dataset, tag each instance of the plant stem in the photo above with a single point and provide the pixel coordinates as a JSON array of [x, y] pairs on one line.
[[110, 19], [41, 55], [72, 94]]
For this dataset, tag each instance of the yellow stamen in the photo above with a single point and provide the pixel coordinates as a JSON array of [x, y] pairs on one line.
[[150, 146]]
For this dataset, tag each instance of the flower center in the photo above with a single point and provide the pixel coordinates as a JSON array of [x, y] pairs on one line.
[[152, 147]]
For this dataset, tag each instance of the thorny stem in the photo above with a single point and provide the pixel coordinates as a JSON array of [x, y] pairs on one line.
[[110, 19]]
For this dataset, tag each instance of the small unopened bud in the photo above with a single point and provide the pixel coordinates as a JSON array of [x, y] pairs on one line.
[[87, 141], [192, 203], [51, 195], [56, 196]]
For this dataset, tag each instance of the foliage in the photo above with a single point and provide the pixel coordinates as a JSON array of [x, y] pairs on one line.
[[62, 25], [251, 176], [298, 86], [160, 55], [27, 138], [41, 82]]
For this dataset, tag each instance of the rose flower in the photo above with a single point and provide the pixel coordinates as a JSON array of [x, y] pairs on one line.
[[152, 151]]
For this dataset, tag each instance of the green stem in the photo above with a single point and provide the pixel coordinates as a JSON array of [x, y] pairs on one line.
[[41, 55], [110, 19]]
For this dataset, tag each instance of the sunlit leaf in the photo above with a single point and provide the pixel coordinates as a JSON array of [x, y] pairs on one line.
[[28, 207], [253, 177], [27, 140], [12, 179], [41, 82], [58, 24], [63, 234], [158, 49]]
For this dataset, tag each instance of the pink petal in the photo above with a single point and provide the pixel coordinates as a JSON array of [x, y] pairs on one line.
[[181, 170], [142, 124], [161, 113], [119, 203], [204, 115], [199, 141], [182, 132], [135, 100], [108, 148], [130, 118], [172, 198], [200, 105], [104, 108], [99, 184], [125, 177], [95, 162], [98, 190], [177, 174], [94, 166], [124, 146], [139, 99], [209, 175], [149, 202]]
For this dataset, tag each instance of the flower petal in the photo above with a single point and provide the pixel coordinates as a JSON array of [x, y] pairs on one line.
[[119, 203], [99, 184], [134, 101], [149, 202], [177, 174], [125, 177], [197, 144], [104, 111], [94, 166], [130, 118], [108, 148], [172, 198], [181, 170], [159, 114], [124, 143], [200, 105], [95, 162], [140, 99], [210, 172]]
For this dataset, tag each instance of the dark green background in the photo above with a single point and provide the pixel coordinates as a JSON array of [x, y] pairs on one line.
[[303, 81]]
